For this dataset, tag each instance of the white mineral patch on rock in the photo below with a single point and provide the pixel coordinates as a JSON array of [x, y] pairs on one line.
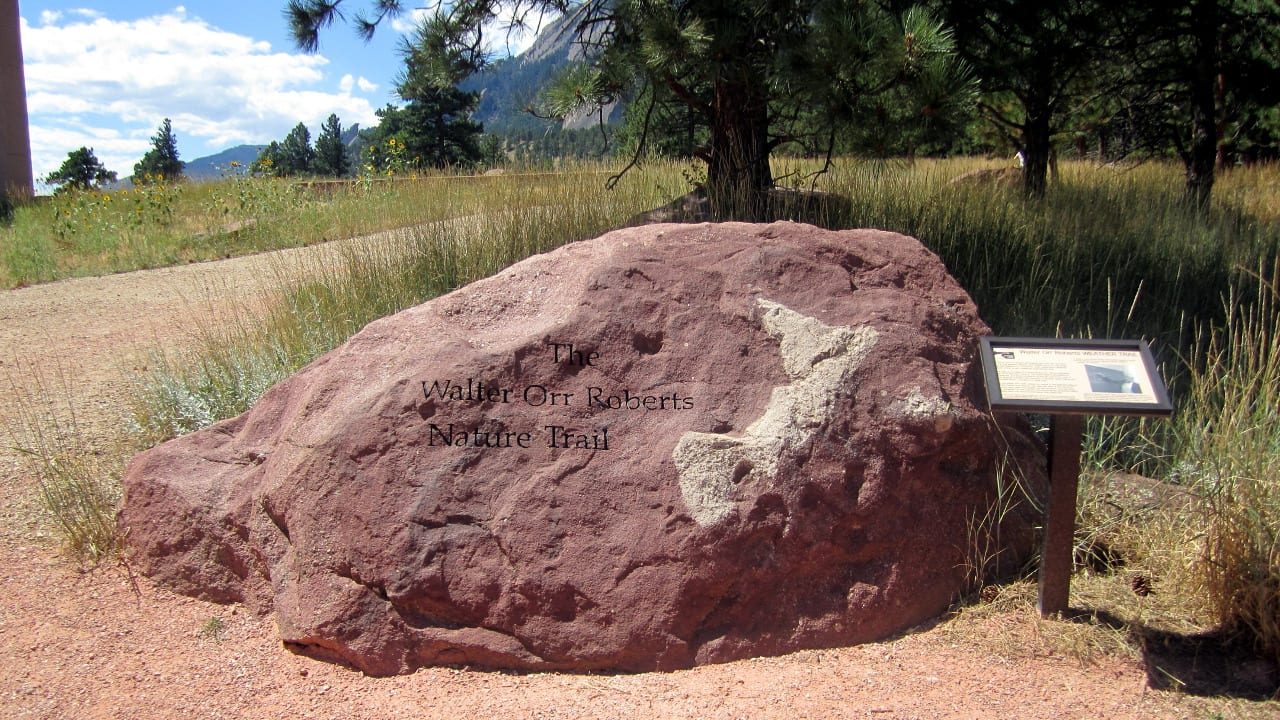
[[817, 357], [918, 406]]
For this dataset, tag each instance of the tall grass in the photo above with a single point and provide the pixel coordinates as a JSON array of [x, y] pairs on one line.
[[1227, 446], [1106, 253]]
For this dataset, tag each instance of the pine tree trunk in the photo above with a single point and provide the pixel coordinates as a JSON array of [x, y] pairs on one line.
[[1036, 147], [738, 174], [1204, 131]]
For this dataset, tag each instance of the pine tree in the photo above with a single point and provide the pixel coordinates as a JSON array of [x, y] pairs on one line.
[[435, 123], [330, 154], [296, 152], [268, 161], [161, 163], [81, 171]]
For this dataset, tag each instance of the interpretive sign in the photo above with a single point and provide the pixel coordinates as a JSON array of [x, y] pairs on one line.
[[1084, 377], [1069, 379]]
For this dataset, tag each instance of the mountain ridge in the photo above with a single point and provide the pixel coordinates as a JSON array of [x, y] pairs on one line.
[[509, 87]]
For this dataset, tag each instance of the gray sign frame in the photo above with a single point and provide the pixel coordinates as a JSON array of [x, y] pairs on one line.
[[1067, 365]]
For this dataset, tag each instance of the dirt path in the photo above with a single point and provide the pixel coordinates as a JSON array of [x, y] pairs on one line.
[[78, 645]]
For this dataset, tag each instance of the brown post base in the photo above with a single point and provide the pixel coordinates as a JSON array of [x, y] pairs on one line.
[[1060, 522]]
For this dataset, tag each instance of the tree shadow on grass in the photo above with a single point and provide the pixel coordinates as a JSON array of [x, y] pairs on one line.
[[1210, 664]]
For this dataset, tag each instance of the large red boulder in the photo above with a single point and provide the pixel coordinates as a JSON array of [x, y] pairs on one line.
[[671, 445]]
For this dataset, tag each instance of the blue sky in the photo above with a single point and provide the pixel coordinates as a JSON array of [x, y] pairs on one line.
[[104, 74]]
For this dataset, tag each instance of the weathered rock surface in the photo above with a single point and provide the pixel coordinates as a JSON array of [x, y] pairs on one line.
[[667, 446]]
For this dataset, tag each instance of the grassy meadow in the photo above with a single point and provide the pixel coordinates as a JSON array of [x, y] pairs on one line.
[[96, 233], [1111, 252]]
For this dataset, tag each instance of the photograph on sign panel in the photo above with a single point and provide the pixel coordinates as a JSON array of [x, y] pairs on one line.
[[1113, 378]]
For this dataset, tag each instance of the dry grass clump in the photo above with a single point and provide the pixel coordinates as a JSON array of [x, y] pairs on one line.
[[78, 481], [1004, 621], [1137, 546]]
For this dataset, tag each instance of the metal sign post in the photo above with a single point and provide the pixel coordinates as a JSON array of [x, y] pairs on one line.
[[1069, 379]]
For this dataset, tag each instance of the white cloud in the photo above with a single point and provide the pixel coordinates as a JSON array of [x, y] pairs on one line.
[[102, 140], [48, 17], [349, 81], [515, 40], [409, 22], [108, 84]]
